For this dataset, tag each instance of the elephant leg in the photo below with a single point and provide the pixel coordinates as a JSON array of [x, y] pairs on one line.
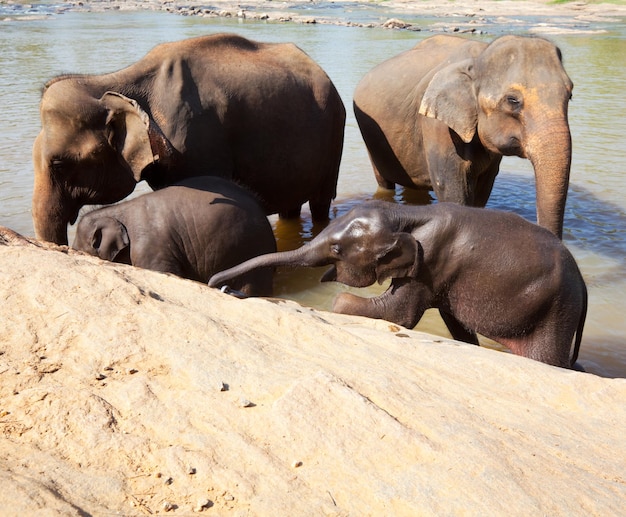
[[320, 210], [399, 304], [546, 344], [457, 329], [382, 182], [484, 184], [294, 213]]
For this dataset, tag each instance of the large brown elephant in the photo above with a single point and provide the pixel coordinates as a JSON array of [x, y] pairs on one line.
[[441, 116], [263, 114]]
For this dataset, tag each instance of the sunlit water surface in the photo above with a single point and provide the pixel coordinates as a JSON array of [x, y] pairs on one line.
[[34, 48]]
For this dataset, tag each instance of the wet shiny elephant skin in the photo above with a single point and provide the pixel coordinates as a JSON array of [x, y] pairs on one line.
[[488, 272], [263, 114], [442, 115], [193, 229]]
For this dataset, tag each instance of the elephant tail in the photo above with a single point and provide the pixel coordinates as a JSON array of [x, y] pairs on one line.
[[579, 329]]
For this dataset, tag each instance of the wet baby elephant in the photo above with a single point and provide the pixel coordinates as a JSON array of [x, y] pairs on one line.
[[192, 229], [487, 272]]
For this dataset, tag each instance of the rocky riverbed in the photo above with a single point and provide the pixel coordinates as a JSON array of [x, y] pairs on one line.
[[463, 16]]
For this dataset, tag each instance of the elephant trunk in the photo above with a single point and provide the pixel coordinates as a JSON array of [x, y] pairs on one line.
[[306, 256], [50, 220], [51, 213], [550, 152]]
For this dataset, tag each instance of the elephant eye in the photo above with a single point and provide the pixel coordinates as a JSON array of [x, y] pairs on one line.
[[335, 249], [514, 102], [56, 165]]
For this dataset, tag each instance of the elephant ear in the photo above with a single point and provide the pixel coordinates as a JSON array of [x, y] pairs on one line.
[[451, 98], [134, 135], [400, 259], [109, 238]]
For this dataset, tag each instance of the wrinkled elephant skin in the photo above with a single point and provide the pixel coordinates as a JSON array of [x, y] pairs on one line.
[[192, 229], [263, 114], [487, 271], [441, 116]]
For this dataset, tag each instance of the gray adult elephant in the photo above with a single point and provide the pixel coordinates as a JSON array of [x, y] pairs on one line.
[[192, 229], [441, 116], [486, 271], [263, 114]]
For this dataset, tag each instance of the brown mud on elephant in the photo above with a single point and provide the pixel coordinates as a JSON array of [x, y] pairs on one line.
[[441, 116], [263, 114], [487, 271]]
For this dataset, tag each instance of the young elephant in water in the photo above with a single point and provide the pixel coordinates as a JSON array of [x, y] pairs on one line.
[[487, 272], [193, 229]]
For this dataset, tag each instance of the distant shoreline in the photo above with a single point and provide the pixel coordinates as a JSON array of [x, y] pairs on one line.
[[470, 16]]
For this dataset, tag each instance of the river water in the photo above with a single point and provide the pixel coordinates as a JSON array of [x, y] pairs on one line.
[[36, 45]]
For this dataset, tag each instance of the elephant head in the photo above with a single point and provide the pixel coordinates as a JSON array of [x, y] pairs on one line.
[[92, 149], [104, 237], [360, 249], [513, 96]]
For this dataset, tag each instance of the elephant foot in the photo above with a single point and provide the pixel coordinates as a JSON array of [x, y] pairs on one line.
[[385, 184], [319, 211], [382, 182], [294, 213], [458, 330]]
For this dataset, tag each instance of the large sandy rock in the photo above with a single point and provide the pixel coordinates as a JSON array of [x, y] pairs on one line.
[[132, 392]]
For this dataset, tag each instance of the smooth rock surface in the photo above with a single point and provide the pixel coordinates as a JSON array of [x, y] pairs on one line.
[[121, 393]]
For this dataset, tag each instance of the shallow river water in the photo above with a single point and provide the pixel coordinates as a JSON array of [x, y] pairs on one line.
[[35, 47]]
